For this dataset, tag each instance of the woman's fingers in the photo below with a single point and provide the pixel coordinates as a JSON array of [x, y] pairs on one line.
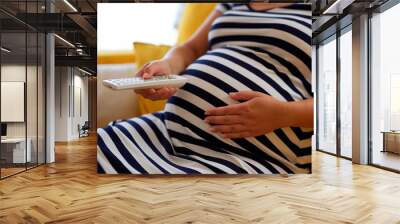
[[229, 126], [157, 94], [161, 94], [227, 119], [149, 70], [171, 91], [245, 95], [166, 92], [140, 72], [145, 91], [227, 110], [228, 129], [148, 73]]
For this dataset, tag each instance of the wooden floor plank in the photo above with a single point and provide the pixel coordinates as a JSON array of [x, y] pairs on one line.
[[70, 191]]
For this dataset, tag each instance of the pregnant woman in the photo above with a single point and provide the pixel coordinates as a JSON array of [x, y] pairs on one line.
[[246, 109]]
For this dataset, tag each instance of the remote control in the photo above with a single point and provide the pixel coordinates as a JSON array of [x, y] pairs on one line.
[[157, 81]]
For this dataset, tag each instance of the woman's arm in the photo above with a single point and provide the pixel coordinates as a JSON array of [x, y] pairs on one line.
[[177, 59], [300, 113], [258, 115], [183, 55]]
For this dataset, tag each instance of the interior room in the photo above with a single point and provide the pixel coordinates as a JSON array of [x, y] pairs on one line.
[[56, 54], [24, 69], [333, 59], [72, 97], [22, 99]]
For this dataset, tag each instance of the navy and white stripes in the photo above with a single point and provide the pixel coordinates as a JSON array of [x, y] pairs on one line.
[[269, 52]]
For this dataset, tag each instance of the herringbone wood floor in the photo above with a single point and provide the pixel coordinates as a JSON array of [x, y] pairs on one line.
[[70, 191]]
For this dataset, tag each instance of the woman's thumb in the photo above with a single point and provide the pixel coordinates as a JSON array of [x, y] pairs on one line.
[[244, 95], [148, 72]]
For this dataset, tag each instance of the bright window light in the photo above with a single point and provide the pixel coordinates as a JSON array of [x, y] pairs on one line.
[[121, 24]]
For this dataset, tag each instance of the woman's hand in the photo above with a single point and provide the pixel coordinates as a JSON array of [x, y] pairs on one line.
[[160, 67], [258, 115], [177, 59]]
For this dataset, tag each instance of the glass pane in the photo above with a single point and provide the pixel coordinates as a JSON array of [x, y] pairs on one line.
[[41, 98], [327, 97], [385, 84], [32, 98], [32, 87], [22, 89], [346, 94], [13, 86]]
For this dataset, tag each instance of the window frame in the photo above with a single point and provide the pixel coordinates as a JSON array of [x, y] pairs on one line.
[[334, 37], [381, 9]]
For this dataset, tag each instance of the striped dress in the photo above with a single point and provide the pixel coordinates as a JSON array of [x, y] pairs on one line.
[[267, 51]]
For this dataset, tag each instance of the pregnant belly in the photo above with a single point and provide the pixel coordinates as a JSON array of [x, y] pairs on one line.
[[211, 78], [221, 71]]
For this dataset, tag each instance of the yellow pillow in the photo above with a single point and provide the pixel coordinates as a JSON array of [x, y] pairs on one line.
[[193, 16], [145, 53], [119, 57]]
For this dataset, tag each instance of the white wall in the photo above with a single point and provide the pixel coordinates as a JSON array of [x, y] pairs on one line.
[[16, 73], [79, 118], [70, 81], [61, 103]]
